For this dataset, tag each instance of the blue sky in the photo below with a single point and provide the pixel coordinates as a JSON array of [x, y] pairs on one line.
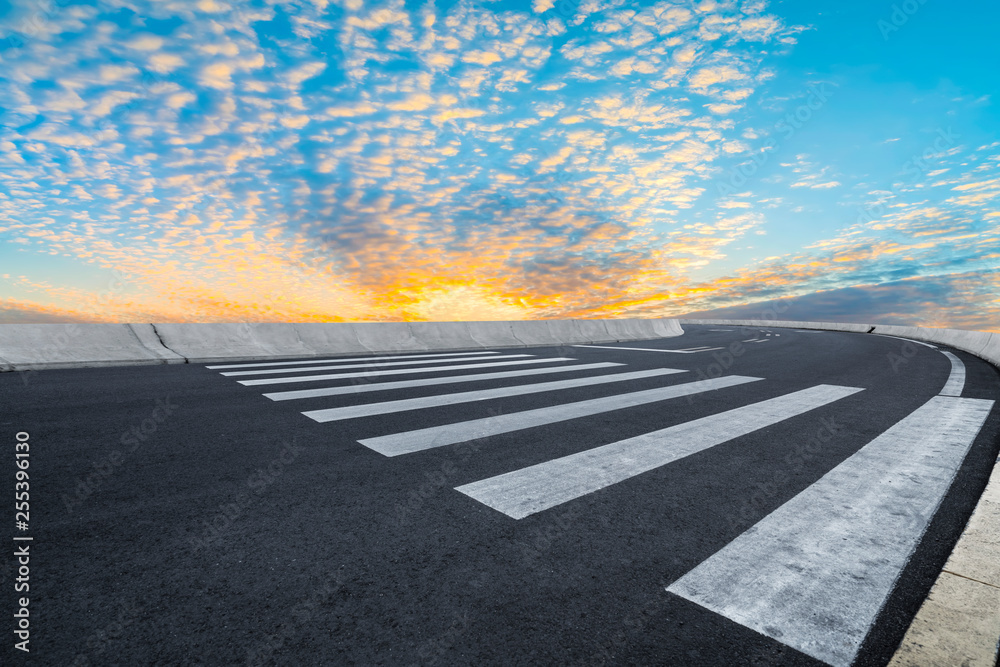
[[326, 161]]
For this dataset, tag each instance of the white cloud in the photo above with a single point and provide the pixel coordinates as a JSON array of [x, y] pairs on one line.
[[217, 75]]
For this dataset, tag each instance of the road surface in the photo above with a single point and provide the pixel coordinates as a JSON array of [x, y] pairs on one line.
[[730, 496]]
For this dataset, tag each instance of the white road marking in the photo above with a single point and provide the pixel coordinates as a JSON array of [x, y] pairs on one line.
[[909, 340], [346, 359], [649, 349], [956, 379], [388, 364], [398, 371], [524, 492], [426, 382], [814, 573], [449, 434], [368, 409], [809, 331]]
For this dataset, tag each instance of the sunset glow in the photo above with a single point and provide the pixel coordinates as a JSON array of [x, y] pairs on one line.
[[201, 160]]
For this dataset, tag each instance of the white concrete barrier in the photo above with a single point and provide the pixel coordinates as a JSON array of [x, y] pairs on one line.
[[40, 346], [667, 328], [231, 340], [975, 342], [443, 335], [578, 331], [630, 329], [36, 346], [493, 334], [534, 332], [150, 340], [788, 324], [983, 344], [328, 339], [387, 337]]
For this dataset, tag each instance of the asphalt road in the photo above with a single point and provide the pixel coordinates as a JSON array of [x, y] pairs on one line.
[[766, 516]]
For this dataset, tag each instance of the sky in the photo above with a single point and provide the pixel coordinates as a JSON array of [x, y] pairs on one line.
[[392, 160]]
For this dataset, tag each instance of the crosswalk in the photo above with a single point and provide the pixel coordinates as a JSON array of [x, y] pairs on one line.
[[523, 492], [813, 574]]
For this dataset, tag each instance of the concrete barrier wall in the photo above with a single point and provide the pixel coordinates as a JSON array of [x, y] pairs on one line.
[[826, 326], [983, 344], [38, 346], [493, 334]]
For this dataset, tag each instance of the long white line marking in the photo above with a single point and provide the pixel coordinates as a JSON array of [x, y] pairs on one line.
[[648, 349], [529, 490], [449, 434], [388, 364], [809, 331], [398, 371], [345, 359], [426, 382], [956, 379], [909, 340], [814, 573], [354, 411]]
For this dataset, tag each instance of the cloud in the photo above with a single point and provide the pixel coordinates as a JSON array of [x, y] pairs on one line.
[[939, 301], [457, 159], [706, 77], [295, 76], [164, 63], [145, 42]]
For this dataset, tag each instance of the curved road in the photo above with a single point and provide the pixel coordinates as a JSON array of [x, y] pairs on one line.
[[730, 496]]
